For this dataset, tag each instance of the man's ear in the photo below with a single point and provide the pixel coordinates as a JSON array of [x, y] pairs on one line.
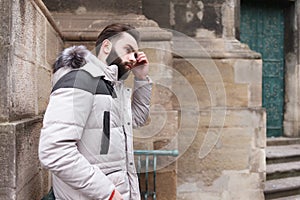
[[107, 45]]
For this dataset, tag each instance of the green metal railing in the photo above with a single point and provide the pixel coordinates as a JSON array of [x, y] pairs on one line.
[[148, 154]]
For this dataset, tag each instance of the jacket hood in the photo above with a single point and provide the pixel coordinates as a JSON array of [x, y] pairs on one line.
[[76, 57]]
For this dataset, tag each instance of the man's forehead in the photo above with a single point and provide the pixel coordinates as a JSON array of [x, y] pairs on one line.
[[127, 39]]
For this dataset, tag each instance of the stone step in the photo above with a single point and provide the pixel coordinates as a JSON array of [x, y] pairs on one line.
[[296, 197], [283, 170], [284, 187], [283, 153], [278, 141]]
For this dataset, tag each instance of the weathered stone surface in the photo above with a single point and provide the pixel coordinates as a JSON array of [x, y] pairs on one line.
[[207, 78], [80, 7], [291, 114], [255, 98], [20, 166], [43, 88], [162, 126], [5, 40], [40, 39], [158, 11], [23, 88], [211, 48], [88, 26], [27, 140], [54, 46], [248, 71], [234, 149], [7, 156], [33, 189], [29, 53], [7, 193], [166, 185]]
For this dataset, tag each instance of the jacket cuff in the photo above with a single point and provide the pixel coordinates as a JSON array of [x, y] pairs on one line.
[[147, 79], [141, 83]]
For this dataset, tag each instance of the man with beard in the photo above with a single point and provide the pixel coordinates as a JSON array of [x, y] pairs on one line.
[[86, 140]]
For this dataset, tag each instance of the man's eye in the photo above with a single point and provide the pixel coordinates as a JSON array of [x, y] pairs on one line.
[[128, 50]]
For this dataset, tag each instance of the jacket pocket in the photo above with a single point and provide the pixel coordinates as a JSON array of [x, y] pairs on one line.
[[106, 133], [118, 178]]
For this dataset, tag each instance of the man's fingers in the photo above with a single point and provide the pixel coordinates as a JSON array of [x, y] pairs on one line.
[[141, 58]]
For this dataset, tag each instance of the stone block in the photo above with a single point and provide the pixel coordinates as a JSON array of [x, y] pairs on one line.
[[201, 78], [54, 45], [226, 69], [23, 88], [232, 147], [196, 70], [22, 177], [199, 195], [157, 51], [79, 7], [7, 157], [40, 39], [27, 141], [261, 133], [162, 125], [248, 71], [142, 144], [43, 88], [33, 189], [255, 95], [258, 161], [162, 96], [236, 95], [249, 188], [24, 41], [244, 118], [191, 95], [7, 193], [166, 185], [220, 81]]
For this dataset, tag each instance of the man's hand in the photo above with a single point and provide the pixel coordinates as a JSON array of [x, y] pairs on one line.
[[141, 68], [117, 196]]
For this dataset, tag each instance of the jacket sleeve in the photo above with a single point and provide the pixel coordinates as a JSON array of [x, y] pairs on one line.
[[64, 121], [141, 102]]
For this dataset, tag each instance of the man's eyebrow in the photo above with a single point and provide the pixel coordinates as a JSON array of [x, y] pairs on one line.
[[131, 48]]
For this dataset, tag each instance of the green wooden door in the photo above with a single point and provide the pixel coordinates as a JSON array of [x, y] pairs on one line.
[[262, 28]]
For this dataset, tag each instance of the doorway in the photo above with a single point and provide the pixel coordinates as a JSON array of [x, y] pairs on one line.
[[262, 28]]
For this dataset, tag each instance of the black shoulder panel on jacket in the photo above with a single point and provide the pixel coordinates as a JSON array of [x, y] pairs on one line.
[[81, 79]]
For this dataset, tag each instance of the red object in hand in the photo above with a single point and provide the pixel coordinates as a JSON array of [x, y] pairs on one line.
[[112, 195]]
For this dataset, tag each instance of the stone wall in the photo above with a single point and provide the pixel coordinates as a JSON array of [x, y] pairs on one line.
[[231, 164], [29, 44], [222, 133]]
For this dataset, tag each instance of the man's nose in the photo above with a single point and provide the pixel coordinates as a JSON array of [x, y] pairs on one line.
[[133, 57]]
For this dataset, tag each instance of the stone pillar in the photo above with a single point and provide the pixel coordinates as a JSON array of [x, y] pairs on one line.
[[222, 135], [28, 45], [292, 73], [217, 87]]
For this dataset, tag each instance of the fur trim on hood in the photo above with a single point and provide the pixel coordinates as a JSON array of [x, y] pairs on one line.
[[72, 57]]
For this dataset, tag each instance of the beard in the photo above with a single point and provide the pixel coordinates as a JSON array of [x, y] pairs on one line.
[[114, 59]]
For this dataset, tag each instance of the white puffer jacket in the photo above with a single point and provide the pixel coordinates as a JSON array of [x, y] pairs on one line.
[[86, 140]]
